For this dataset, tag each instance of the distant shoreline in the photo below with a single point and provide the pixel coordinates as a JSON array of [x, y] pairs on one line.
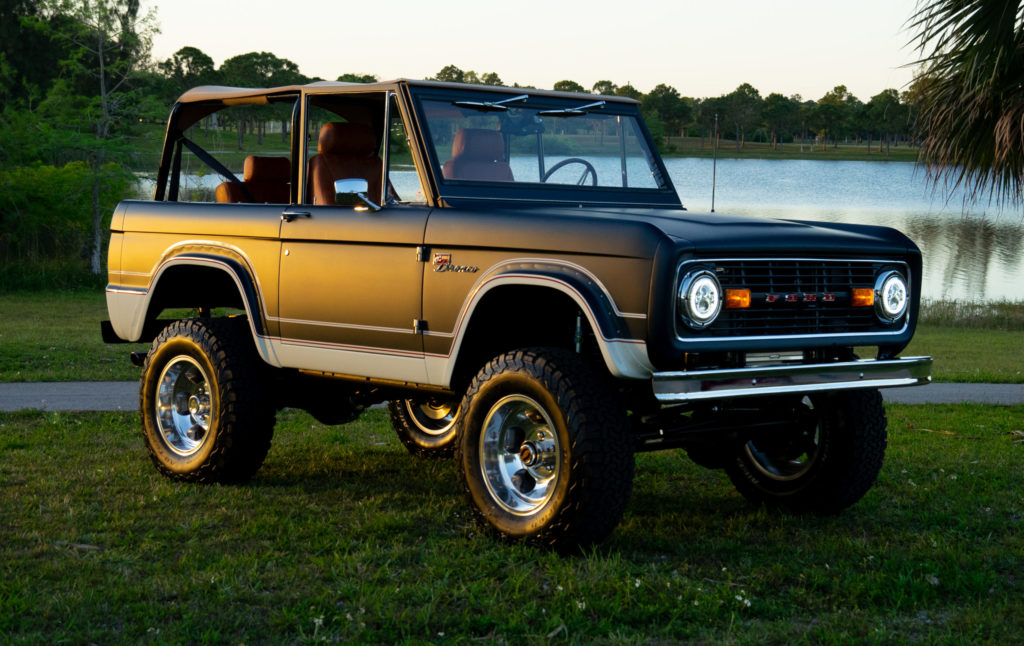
[[690, 148]]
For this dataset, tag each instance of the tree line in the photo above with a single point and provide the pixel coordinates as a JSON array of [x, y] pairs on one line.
[[744, 115]]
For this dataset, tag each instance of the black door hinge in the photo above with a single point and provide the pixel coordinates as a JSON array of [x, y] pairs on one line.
[[422, 254], [419, 326]]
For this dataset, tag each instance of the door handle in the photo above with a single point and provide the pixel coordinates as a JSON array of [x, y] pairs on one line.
[[289, 216]]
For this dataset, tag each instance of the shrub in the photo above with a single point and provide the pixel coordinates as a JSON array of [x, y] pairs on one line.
[[46, 215]]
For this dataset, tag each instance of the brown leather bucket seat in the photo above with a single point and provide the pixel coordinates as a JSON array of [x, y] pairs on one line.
[[345, 151], [265, 178], [478, 154]]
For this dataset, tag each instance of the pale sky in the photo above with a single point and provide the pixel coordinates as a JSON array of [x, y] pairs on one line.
[[704, 48]]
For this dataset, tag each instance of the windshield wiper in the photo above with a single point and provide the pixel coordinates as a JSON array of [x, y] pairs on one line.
[[571, 112], [490, 106]]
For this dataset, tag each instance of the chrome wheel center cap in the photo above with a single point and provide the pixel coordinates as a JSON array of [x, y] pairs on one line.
[[528, 454]]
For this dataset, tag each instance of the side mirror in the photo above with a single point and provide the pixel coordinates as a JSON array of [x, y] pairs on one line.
[[352, 192]]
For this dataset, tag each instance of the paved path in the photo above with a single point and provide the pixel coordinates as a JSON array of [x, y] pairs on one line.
[[73, 395], [124, 395], [936, 393]]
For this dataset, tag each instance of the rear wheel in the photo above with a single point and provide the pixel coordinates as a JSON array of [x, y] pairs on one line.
[[826, 461], [426, 426], [204, 417], [544, 452]]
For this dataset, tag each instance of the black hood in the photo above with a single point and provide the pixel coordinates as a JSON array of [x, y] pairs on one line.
[[638, 232], [716, 233]]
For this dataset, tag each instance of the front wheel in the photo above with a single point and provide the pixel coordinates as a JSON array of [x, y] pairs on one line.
[[826, 461], [204, 417], [543, 450]]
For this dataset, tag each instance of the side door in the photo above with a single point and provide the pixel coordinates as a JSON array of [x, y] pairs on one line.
[[351, 276]]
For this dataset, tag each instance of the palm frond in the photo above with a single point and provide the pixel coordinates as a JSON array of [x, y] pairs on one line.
[[970, 95]]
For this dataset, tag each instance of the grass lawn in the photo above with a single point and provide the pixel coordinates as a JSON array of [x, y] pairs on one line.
[[971, 355], [342, 536], [54, 336]]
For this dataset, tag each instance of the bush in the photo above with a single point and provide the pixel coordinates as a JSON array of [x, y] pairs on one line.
[[46, 216], [46, 275]]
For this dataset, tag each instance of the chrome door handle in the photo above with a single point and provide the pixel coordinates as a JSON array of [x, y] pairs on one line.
[[289, 216]]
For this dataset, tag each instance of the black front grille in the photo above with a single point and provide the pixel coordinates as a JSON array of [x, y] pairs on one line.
[[797, 296]]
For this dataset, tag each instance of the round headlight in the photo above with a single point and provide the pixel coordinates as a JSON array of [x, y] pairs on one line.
[[700, 299], [891, 295]]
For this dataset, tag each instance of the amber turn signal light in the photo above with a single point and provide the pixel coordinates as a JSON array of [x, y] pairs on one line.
[[736, 299], [863, 297]]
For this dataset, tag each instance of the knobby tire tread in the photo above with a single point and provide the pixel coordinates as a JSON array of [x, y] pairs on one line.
[[853, 460], [601, 447], [406, 431], [245, 418]]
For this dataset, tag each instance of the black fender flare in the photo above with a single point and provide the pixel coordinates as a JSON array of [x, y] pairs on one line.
[[624, 355]]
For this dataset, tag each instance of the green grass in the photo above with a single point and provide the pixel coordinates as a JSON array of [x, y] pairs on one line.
[[54, 336], [342, 536], [971, 355], [972, 342]]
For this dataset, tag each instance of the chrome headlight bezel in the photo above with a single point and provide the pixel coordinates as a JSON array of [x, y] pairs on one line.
[[892, 296], [699, 299]]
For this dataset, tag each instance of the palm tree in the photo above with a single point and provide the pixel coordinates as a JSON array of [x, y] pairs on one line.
[[970, 95]]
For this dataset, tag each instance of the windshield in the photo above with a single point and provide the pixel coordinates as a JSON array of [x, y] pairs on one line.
[[556, 142]]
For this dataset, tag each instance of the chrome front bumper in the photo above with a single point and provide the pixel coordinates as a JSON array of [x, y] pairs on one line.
[[702, 385]]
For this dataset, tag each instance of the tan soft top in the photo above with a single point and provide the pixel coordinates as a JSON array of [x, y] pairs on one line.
[[243, 95]]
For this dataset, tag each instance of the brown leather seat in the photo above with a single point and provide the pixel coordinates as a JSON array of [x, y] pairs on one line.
[[478, 154], [346, 151], [265, 178]]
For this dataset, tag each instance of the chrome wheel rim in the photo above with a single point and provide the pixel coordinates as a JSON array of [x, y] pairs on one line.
[[520, 455], [184, 405], [432, 416], [789, 458]]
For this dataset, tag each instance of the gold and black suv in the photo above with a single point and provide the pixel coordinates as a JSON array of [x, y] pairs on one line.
[[512, 270]]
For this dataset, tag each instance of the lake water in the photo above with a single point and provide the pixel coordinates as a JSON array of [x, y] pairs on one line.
[[973, 254]]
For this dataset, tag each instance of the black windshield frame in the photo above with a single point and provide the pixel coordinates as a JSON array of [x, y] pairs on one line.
[[529, 192]]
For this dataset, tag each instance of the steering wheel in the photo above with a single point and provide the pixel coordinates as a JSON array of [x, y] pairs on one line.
[[589, 170]]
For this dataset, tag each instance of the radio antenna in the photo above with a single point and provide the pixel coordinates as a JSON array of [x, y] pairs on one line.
[[714, 163]]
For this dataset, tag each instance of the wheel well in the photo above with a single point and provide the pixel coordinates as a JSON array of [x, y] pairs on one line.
[[520, 316], [194, 287]]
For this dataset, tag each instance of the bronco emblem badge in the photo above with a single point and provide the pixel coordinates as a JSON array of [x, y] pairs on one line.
[[443, 262]]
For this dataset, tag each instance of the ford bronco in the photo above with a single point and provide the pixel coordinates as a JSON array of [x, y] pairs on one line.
[[511, 270]]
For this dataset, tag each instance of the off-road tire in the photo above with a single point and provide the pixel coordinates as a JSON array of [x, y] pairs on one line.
[[851, 444], [240, 418], [426, 426], [590, 447]]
